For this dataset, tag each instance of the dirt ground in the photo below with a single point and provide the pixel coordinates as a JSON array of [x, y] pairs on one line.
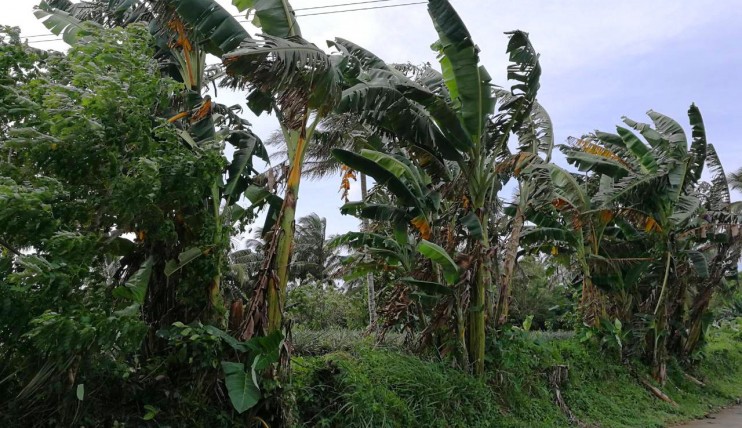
[[727, 418]]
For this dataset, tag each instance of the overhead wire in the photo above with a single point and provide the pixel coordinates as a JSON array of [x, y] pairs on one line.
[[55, 38]]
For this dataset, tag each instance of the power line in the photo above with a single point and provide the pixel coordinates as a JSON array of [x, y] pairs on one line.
[[295, 10], [352, 10], [342, 4], [363, 8]]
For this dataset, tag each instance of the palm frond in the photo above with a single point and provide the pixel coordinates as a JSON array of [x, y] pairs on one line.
[[719, 197], [292, 69]]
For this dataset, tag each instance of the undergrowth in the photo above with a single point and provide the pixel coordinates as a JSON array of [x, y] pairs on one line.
[[366, 386]]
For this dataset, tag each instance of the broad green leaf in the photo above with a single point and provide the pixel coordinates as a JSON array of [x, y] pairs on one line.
[[719, 197], [671, 130], [229, 340], [599, 164], [60, 22], [274, 17], [654, 138], [685, 207], [379, 212], [242, 390], [366, 58], [213, 25], [400, 168], [274, 65], [80, 392], [638, 149], [428, 287], [699, 263], [152, 411], [473, 225], [380, 103], [135, 288], [184, 258], [383, 176], [698, 147], [267, 350], [438, 255], [460, 60], [241, 163]]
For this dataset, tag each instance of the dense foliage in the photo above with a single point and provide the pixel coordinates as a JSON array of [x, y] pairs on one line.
[[123, 279]]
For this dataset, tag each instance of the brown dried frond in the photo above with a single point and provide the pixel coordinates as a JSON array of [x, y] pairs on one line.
[[203, 110], [177, 26], [640, 219], [422, 225], [348, 174], [588, 146]]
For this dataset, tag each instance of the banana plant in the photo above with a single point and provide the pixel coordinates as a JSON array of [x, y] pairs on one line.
[[657, 184], [447, 121], [535, 139], [565, 217]]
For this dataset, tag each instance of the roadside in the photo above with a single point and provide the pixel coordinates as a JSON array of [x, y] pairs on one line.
[[727, 418]]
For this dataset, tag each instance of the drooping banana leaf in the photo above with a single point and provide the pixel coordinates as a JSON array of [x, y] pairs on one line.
[[60, 22], [382, 176], [381, 105], [699, 263], [366, 59], [438, 255], [671, 130], [247, 145], [274, 65], [214, 26], [654, 138], [524, 69], [275, 17], [685, 208], [376, 212], [599, 164]]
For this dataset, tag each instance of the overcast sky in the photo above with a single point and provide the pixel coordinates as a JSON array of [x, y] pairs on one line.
[[601, 60]]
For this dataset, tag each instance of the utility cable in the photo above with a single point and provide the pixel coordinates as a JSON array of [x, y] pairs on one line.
[[295, 10]]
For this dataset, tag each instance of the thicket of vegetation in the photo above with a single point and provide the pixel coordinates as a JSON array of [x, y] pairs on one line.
[[124, 185]]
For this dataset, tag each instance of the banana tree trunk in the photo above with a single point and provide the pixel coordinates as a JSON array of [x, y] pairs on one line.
[[659, 350], [370, 275], [476, 333], [276, 295], [695, 329], [511, 253], [589, 301]]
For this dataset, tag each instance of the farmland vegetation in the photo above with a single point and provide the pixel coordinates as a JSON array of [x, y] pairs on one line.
[[604, 293]]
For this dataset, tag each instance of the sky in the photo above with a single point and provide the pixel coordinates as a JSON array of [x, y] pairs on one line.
[[601, 61]]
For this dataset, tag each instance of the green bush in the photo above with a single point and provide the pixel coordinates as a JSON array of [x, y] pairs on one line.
[[314, 307], [362, 386]]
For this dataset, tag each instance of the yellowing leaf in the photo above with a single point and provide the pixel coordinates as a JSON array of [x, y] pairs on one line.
[[422, 225]]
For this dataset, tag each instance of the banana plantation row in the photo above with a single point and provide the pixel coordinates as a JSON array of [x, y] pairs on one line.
[[118, 138]]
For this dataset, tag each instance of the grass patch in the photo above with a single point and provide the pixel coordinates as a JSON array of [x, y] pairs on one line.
[[364, 386]]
